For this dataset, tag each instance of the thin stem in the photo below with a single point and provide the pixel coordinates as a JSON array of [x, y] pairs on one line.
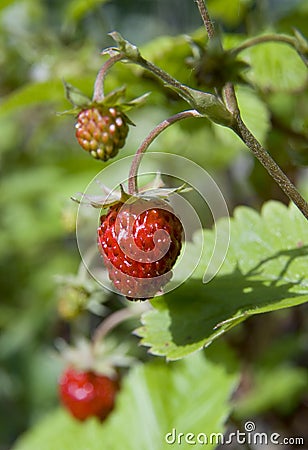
[[230, 99], [245, 134], [263, 39], [98, 94], [132, 179], [165, 77], [271, 166], [206, 18], [115, 319]]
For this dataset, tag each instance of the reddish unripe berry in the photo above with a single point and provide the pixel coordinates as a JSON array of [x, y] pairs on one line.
[[101, 131]]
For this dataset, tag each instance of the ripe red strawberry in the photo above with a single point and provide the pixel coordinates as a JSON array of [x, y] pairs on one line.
[[140, 242], [87, 394], [101, 131]]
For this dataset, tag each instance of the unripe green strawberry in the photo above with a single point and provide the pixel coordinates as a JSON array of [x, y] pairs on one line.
[[101, 131], [72, 301]]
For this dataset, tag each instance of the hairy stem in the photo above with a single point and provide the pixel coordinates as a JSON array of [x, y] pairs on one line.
[[165, 77], [263, 39], [206, 18], [98, 94], [116, 319], [160, 73], [132, 179], [245, 134], [271, 166], [230, 99]]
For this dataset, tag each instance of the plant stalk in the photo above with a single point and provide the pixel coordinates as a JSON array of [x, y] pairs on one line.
[[282, 38], [132, 178], [244, 133], [165, 77], [271, 166], [206, 18], [98, 94], [114, 320]]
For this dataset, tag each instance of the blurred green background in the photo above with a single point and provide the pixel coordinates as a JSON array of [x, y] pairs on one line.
[[45, 42]]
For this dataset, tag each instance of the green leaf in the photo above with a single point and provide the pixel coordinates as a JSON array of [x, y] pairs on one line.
[[275, 67], [59, 430], [255, 115], [75, 96], [153, 401], [204, 409], [265, 270], [254, 112], [32, 94]]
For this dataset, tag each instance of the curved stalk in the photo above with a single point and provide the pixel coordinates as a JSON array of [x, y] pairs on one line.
[[132, 178], [116, 319], [98, 94], [282, 38]]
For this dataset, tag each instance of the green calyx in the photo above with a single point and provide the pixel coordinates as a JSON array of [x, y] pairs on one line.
[[128, 50], [214, 66], [115, 99], [208, 105], [109, 198], [103, 358]]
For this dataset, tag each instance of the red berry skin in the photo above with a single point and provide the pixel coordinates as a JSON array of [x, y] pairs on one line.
[[87, 394], [101, 131], [140, 243]]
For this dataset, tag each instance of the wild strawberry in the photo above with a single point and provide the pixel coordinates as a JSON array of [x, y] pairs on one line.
[[87, 394], [140, 242], [101, 131]]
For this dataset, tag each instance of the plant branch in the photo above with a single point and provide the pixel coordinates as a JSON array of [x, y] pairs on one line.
[[270, 165], [165, 77], [132, 179], [207, 104], [206, 18], [282, 38], [98, 94], [230, 99], [245, 134], [131, 53]]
